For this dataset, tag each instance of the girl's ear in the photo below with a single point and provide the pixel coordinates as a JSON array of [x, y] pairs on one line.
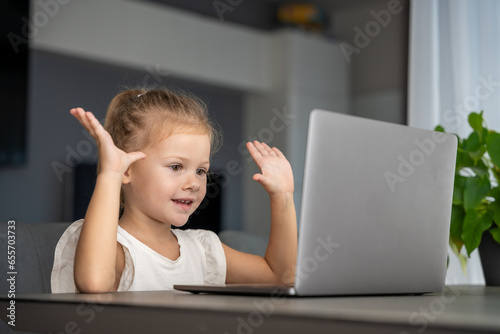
[[126, 176]]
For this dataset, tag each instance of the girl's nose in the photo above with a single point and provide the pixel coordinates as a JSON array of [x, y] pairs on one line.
[[192, 183]]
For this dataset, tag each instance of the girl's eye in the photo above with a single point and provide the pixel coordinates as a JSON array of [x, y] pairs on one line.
[[175, 168], [201, 172]]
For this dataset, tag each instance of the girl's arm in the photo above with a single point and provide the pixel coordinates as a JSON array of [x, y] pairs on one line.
[[278, 265], [99, 258]]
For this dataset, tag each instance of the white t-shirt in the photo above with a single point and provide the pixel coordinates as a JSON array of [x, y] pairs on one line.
[[201, 261]]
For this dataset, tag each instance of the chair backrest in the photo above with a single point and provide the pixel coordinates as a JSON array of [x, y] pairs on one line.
[[244, 242], [34, 255]]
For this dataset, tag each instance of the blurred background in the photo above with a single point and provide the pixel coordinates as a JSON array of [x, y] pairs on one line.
[[261, 67]]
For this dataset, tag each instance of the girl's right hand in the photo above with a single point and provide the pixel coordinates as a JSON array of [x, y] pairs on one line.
[[111, 159]]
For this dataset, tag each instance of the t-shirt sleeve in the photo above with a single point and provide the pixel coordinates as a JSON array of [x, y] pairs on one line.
[[128, 273], [62, 278], [215, 270]]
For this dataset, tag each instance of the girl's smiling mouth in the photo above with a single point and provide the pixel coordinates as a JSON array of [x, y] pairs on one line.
[[183, 203]]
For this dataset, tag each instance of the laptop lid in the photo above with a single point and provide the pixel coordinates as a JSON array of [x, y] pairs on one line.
[[376, 207], [375, 212]]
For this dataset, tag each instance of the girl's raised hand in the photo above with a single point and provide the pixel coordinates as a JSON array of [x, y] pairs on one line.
[[111, 158], [276, 173]]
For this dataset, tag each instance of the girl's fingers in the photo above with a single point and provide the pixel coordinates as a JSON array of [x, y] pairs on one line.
[[94, 123], [268, 149], [89, 122], [260, 148], [257, 177], [275, 173], [254, 152], [79, 114], [278, 152], [135, 156]]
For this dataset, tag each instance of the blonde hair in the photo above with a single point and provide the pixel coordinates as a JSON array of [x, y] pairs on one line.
[[138, 118]]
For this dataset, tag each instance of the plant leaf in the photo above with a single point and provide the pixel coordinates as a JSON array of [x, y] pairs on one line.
[[480, 169], [462, 258], [495, 193], [493, 147], [463, 263], [477, 155], [476, 188], [463, 159], [495, 207], [472, 143], [474, 147], [458, 189], [439, 128], [485, 135], [476, 123], [474, 227], [457, 218], [495, 233]]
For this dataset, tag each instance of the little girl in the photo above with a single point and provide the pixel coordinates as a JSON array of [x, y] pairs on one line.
[[154, 156]]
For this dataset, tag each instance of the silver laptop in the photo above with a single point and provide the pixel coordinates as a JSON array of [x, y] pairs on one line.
[[375, 212]]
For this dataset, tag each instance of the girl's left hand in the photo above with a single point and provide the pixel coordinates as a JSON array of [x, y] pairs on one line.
[[276, 173]]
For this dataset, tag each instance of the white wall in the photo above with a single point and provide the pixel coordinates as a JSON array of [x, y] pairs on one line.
[[140, 34]]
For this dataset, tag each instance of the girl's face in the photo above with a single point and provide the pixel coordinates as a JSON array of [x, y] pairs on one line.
[[170, 183]]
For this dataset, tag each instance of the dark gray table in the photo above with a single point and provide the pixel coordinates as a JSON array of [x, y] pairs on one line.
[[460, 309]]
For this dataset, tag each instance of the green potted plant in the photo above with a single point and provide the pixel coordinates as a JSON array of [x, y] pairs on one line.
[[475, 217]]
